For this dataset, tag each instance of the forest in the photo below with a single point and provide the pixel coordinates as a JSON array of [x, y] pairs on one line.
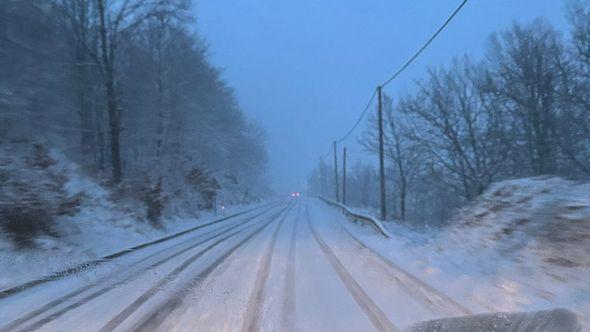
[[124, 89], [522, 110]]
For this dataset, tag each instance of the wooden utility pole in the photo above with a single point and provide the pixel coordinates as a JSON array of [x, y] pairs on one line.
[[322, 177], [381, 157], [344, 176], [336, 173]]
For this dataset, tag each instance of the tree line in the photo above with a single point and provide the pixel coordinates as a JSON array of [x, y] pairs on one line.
[[125, 89], [523, 110]]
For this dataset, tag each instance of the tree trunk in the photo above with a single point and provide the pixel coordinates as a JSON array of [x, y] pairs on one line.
[[114, 133], [108, 51], [402, 200], [78, 15], [87, 141]]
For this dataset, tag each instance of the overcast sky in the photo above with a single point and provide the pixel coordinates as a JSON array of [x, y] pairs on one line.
[[304, 69]]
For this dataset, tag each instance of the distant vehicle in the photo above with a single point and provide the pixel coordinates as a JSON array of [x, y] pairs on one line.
[[295, 194]]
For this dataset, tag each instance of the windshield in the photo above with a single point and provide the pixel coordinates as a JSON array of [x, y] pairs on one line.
[[184, 165]]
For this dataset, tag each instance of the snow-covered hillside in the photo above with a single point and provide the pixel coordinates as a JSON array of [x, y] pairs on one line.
[[535, 222], [522, 245], [54, 216]]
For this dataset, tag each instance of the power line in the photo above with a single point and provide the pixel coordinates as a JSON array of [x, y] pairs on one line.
[[358, 121], [399, 71], [406, 65], [360, 152], [328, 153], [442, 27]]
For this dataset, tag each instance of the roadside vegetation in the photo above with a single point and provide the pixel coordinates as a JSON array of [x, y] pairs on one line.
[[523, 110]]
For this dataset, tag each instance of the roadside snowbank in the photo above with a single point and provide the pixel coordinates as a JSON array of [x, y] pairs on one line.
[[97, 226], [523, 245]]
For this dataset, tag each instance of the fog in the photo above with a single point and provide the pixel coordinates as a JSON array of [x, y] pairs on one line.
[[305, 69]]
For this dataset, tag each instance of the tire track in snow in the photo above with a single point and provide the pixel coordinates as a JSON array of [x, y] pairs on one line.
[[152, 321], [373, 312], [123, 315], [161, 283], [77, 268], [11, 326], [418, 289], [289, 313], [256, 301]]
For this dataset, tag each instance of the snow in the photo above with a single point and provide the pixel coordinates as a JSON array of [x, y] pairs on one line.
[[228, 276], [523, 245], [219, 303], [360, 215], [100, 227], [119, 283], [478, 263]]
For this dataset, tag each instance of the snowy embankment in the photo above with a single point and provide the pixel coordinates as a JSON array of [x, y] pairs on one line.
[[523, 245], [92, 224]]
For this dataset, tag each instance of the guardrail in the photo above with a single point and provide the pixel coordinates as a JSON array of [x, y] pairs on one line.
[[355, 216]]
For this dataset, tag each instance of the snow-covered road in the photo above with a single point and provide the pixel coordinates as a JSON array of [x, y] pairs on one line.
[[294, 266]]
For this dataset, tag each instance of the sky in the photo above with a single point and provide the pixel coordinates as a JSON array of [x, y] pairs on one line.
[[305, 69]]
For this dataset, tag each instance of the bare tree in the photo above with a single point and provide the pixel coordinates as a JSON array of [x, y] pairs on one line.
[[574, 123], [462, 136], [80, 18], [403, 155], [525, 63], [117, 19]]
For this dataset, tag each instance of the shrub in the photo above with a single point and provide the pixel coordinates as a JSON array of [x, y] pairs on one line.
[[31, 194], [206, 185], [23, 225], [155, 201]]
